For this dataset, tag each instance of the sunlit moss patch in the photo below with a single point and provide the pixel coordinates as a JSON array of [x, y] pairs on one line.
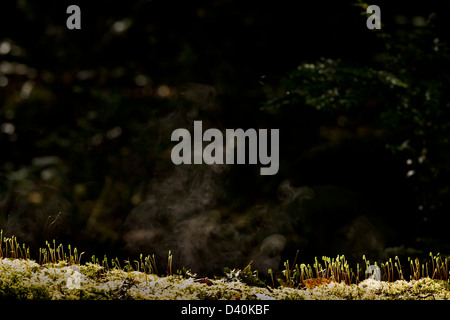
[[26, 279]]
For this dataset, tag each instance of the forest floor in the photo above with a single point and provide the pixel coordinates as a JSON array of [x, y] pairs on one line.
[[28, 280]]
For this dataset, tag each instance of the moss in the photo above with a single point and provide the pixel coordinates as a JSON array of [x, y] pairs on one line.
[[25, 279]]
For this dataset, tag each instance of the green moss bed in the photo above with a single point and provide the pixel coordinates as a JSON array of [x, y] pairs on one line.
[[27, 280]]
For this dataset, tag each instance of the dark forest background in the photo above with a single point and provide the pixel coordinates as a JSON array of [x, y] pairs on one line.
[[364, 116]]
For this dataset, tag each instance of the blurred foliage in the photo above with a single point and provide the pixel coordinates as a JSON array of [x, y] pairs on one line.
[[85, 116], [406, 92]]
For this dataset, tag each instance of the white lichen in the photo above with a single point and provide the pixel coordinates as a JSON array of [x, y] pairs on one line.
[[25, 279]]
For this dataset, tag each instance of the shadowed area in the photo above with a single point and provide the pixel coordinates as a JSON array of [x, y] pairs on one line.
[[86, 118]]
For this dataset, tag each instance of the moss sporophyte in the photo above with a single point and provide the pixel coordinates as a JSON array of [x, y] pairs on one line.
[[60, 274]]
